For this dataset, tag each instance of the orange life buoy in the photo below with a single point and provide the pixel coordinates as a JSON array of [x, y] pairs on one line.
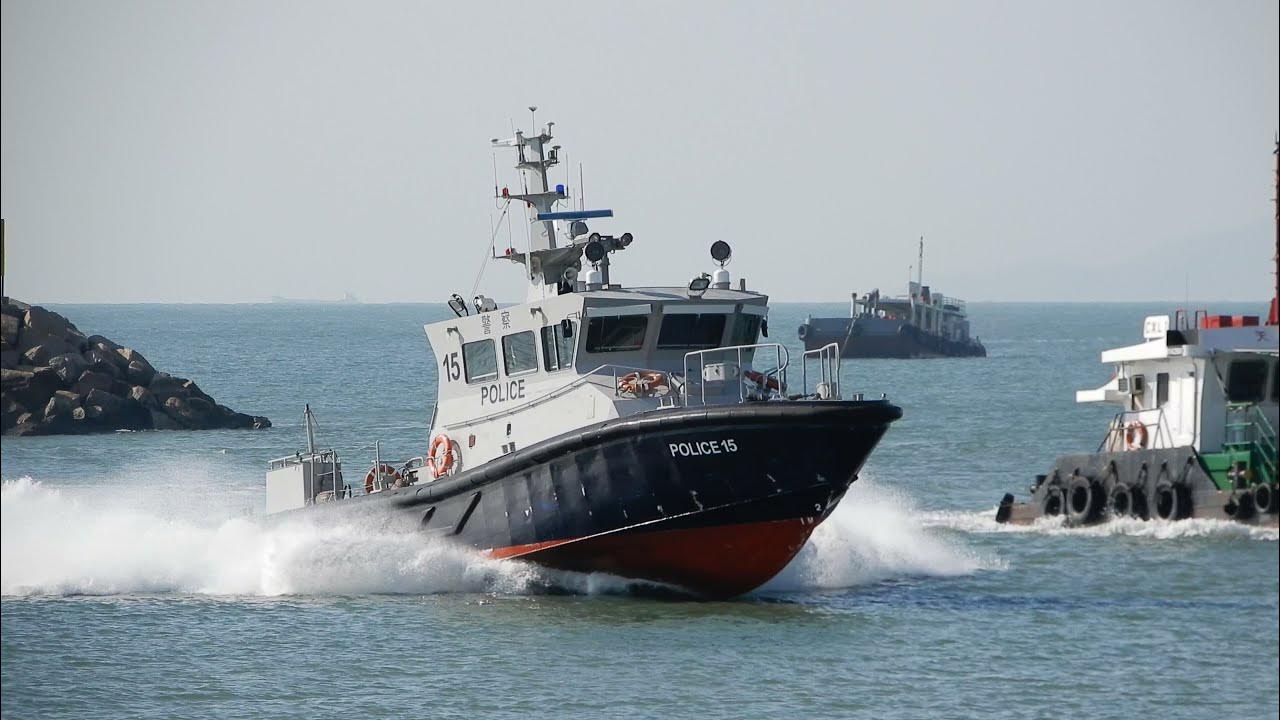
[[1135, 436], [440, 456], [642, 383], [761, 380], [385, 471]]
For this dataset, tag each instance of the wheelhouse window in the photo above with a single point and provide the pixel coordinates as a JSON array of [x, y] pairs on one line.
[[480, 361], [1162, 389], [557, 346], [1247, 381], [746, 330], [519, 353], [693, 332], [616, 333]]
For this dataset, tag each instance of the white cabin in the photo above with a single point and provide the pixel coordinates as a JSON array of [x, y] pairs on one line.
[[1190, 384]]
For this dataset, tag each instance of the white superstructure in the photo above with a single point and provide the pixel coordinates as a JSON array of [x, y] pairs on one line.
[[1187, 383], [585, 348]]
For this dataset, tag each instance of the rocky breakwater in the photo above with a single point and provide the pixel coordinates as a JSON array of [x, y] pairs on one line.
[[57, 381]]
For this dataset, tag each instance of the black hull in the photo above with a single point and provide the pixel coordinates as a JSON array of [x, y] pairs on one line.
[[715, 499], [903, 341], [1165, 484]]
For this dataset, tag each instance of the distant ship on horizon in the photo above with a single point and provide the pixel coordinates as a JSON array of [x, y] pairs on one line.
[[921, 324], [346, 299]]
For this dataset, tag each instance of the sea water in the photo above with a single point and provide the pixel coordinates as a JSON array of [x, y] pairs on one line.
[[137, 583]]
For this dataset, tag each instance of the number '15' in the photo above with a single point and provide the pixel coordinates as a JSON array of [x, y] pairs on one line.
[[452, 370]]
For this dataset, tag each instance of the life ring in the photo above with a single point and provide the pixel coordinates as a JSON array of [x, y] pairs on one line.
[[762, 381], [644, 383], [440, 456], [1135, 436], [385, 471]]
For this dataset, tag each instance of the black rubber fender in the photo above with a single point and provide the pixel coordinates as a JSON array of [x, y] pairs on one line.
[[1264, 498], [1054, 502], [1084, 499], [1171, 501], [1120, 503], [1240, 506]]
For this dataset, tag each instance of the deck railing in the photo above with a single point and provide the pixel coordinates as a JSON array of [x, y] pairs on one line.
[[828, 371], [770, 380], [1154, 427]]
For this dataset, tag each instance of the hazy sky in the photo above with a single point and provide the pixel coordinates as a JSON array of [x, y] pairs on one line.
[[231, 151]]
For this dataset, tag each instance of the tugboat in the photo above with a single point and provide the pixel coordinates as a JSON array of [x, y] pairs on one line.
[[920, 324], [1196, 433], [644, 432]]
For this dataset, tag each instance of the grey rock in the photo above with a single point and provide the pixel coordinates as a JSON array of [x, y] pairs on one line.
[[74, 398], [161, 421], [45, 323], [104, 361], [81, 384], [10, 411], [166, 386], [38, 355], [129, 355], [144, 397], [27, 427], [17, 308], [93, 380], [105, 400], [110, 351], [139, 372], [69, 367], [9, 327], [29, 388], [59, 406]]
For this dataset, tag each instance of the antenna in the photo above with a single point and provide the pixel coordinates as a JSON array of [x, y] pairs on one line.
[[495, 178], [920, 266], [582, 193], [1274, 315], [310, 420], [533, 114]]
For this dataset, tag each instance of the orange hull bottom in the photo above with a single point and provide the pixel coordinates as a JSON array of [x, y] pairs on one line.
[[716, 561]]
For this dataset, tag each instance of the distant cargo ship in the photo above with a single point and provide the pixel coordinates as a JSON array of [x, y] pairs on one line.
[[921, 324]]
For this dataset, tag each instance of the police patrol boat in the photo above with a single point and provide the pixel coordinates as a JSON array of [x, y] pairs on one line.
[[644, 432], [1196, 433]]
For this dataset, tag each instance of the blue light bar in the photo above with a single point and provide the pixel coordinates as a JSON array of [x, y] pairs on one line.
[[574, 215]]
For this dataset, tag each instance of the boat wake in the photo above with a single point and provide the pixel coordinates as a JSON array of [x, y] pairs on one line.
[[875, 534], [984, 522], [54, 542], [69, 542]]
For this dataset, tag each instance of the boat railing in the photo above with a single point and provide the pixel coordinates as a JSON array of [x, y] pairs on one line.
[[770, 381], [1155, 432], [300, 458], [593, 377], [827, 375]]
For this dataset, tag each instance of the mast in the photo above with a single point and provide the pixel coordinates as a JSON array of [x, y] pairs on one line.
[[548, 262], [310, 420], [1273, 317], [920, 266]]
